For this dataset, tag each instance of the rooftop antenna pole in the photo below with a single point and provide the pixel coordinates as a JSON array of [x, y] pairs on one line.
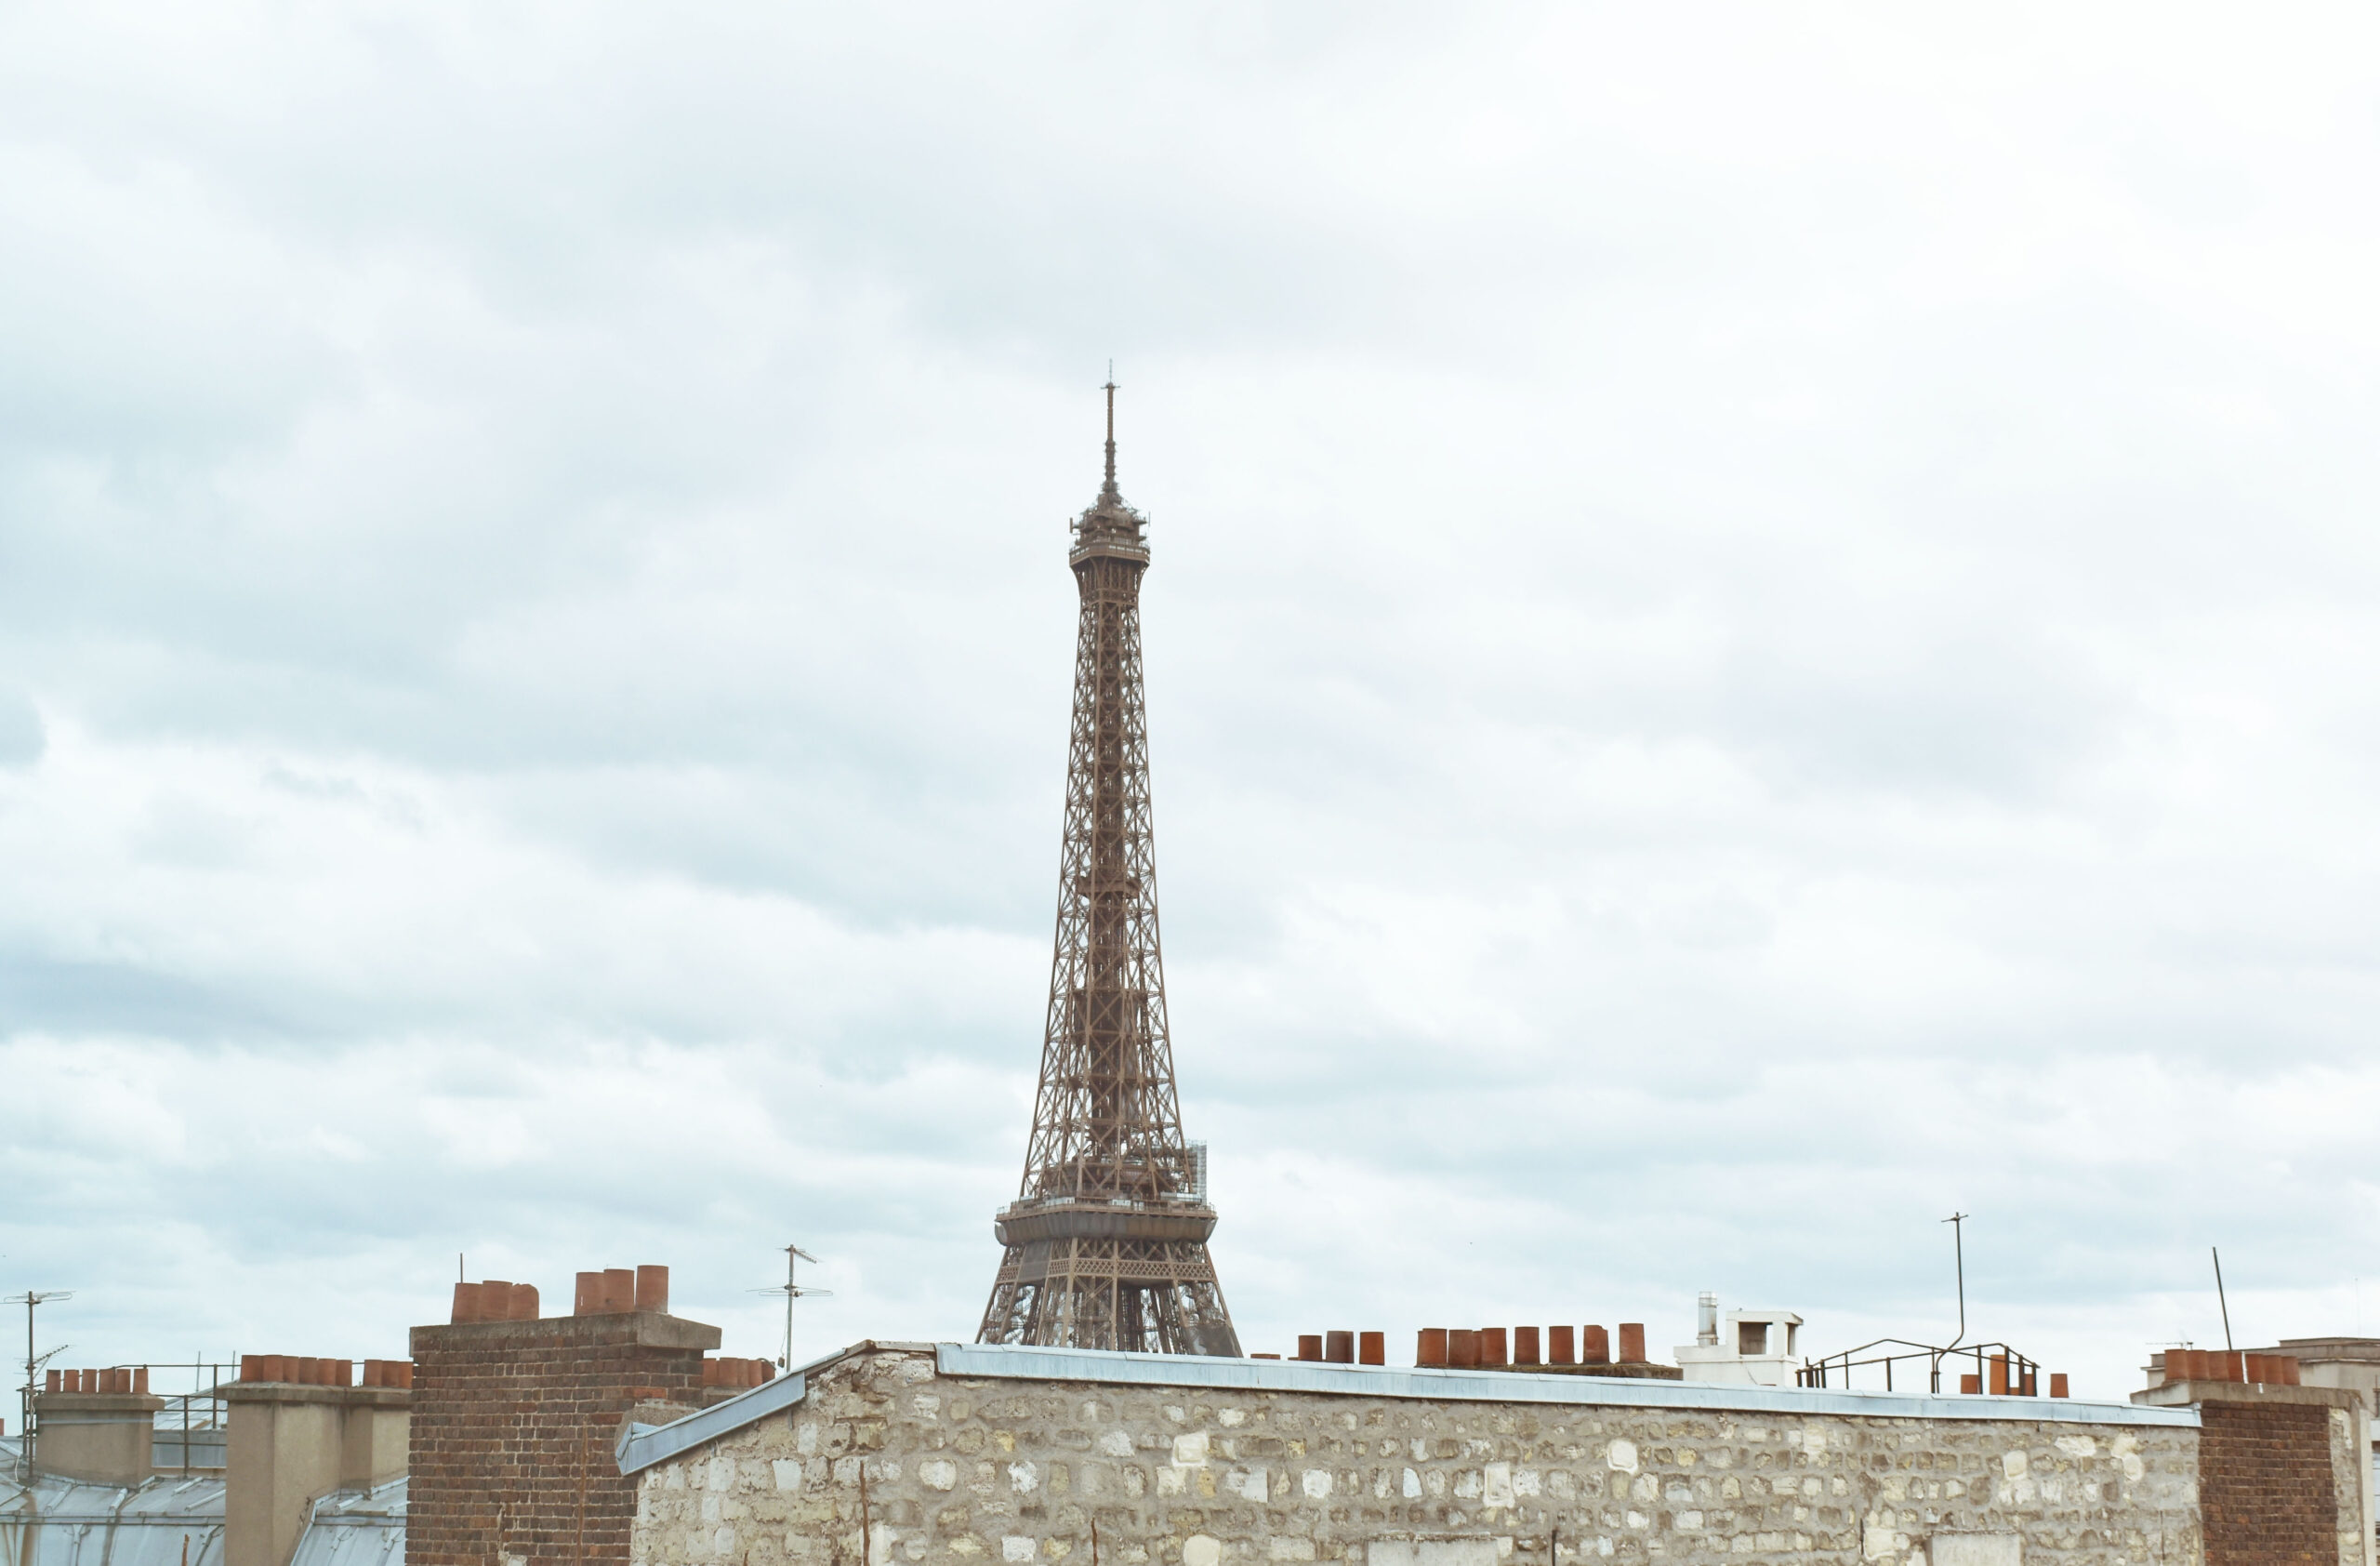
[[1959, 1250], [792, 1254], [2220, 1299], [792, 1291], [29, 1299]]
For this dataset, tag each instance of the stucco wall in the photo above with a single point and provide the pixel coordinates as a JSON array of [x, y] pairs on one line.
[[971, 1470]]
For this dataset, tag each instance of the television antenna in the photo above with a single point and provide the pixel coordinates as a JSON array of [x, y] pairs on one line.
[[30, 1299], [792, 1291]]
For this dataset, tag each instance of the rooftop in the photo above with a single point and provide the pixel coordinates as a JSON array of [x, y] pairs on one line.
[[641, 1446]]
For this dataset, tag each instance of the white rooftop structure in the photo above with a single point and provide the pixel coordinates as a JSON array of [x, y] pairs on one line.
[[1743, 1348]]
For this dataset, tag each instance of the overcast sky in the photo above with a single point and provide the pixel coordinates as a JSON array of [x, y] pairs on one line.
[[1763, 629]]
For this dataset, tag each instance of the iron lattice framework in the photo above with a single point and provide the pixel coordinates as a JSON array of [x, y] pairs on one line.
[[1107, 1241]]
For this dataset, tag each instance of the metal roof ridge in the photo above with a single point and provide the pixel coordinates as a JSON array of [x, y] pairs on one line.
[[1033, 1362], [641, 1446]]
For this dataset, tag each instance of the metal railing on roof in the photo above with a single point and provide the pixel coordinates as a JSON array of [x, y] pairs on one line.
[[1998, 1368]]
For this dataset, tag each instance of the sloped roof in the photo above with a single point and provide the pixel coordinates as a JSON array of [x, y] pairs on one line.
[[56, 1522]]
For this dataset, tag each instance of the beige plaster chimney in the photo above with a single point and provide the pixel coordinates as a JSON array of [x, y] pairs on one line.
[[101, 1436], [291, 1443]]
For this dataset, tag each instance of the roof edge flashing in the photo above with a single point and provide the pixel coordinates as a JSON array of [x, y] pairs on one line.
[[1022, 1362], [641, 1446]]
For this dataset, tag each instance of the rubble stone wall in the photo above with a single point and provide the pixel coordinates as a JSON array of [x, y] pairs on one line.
[[965, 1471]]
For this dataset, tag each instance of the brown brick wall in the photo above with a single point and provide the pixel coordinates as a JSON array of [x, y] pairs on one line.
[[512, 1430], [2265, 1485]]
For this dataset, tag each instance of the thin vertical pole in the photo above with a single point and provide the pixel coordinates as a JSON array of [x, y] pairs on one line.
[[1959, 1253], [2220, 1299]]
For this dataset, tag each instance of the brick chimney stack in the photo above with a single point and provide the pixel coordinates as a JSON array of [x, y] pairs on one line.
[[515, 1415]]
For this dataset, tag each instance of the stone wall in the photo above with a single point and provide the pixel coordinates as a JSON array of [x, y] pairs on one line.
[[513, 1426], [970, 1470]]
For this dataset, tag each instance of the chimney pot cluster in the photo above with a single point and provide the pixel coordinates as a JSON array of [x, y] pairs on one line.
[[2230, 1364], [1487, 1348], [122, 1379], [613, 1291], [619, 1289], [494, 1300], [737, 1373], [1339, 1348], [297, 1370]]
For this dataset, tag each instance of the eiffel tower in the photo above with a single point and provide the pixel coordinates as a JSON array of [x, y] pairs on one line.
[[1106, 1241]]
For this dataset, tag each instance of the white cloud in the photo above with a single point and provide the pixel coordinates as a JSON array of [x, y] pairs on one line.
[[1759, 632]]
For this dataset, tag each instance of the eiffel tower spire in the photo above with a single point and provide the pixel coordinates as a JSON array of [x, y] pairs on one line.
[[1107, 1241], [1109, 490]]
